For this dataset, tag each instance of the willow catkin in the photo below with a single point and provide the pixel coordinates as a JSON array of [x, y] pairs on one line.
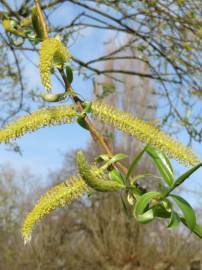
[[41, 118], [52, 53], [7, 24], [145, 132], [57, 197], [92, 177]]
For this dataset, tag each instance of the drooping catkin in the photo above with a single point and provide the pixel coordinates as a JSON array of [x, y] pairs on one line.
[[7, 24], [144, 132], [92, 177], [52, 53], [57, 197], [36, 120]]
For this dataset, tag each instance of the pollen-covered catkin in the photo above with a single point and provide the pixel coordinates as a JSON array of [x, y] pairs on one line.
[[52, 53], [144, 132], [56, 197], [41, 118], [9, 28], [94, 180]]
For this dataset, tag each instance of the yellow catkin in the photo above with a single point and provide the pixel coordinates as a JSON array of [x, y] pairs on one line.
[[36, 120], [56, 197], [9, 28], [94, 178], [52, 53], [144, 132]]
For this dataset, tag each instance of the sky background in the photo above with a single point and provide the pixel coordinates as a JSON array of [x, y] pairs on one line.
[[43, 150]]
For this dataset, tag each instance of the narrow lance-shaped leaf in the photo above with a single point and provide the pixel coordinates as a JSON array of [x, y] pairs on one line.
[[110, 161], [134, 163], [186, 175], [196, 230], [103, 157], [69, 74], [115, 175], [162, 163], [81, 121], [125, 206], [174, 220], [53, 97], [188, 212], [116, 158]]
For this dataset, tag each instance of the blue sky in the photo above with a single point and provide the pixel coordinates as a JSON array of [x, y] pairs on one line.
[[43, 151]]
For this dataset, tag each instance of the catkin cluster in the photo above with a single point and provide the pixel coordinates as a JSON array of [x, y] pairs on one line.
[[56, 197], [93, 178], [52, 53], [38, 119], [144, 132]]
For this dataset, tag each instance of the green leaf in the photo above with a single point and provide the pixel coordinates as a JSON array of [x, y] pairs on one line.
[[167, 205], [196, 230], [184, 176], [160, 211], [125, 207], [103, 157], [114, 159], [140, 176], [143, 202], [117, 157], [53, 97], [145, 218], [82, 122], [69, 74], [134, 163], [187, 210], [110, 161], [115, 175], [156, 211], [174, 220], [87, 107], [162, 163]]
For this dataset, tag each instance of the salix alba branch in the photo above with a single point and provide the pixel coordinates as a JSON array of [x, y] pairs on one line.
[[107, 173]]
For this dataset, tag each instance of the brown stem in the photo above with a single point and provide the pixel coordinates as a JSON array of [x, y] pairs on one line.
[[79, 103], [94, 132]]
